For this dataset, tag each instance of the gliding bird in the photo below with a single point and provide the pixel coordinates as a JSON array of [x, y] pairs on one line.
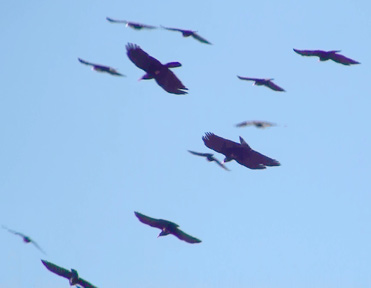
[[187, 33], [136, 26], [101, 68], [263, 82], [257, 124], [209, 157], [328, 55]]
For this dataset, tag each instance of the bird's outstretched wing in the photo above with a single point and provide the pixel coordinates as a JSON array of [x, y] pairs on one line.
[[169, 82], [273, 86], [142, 60], [57, 270], [173, 29], [153, 222], [248, 78], [221, 164], [185, 237], [116, 21], [85, 283], [86, 62], [14, 232], [199, 38], [219, 144], [201, 154], [342, 59], [309, 52]]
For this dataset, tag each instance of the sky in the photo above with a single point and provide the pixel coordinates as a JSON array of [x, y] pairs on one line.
[[81, 150]]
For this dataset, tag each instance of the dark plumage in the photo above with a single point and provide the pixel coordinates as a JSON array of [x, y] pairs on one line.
[[187, 33], [257, 124], [209, 157], [166, 227], [161, 73], [242, 153], [136, 26], [328, 55], [25, 238], [101, 68], [72, 275], [263, 82]]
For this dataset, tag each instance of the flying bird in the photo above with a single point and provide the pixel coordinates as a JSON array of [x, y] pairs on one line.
[[72, 275], [167, 228], [154, 69], [101, 68], [328, 55], [187, 33], [25, 238], [263, 82], [240, 152], [257, 124], [136, 26], [209, 157]]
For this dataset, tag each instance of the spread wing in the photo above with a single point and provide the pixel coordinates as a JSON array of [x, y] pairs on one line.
[[257, 160], [153, 222], [185, 237], [309, 52], [85, 283], [199, 38], [249, 78], [169, 82], [57, 270], [116, 21], [273, 86], [200, 154], [38, 247], [244, 123], [342, 59], [173, 29], [221, 164], [220, 144], [142, 60], [86, 62]]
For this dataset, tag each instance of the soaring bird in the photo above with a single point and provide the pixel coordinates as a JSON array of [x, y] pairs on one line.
[[187, 33], [25, 238], [136, 26], [101, 68], [240, 152], [328, 55], [209, 157], [72, 275], [257, 124], [161, 73], [263, 82], [167, 228]]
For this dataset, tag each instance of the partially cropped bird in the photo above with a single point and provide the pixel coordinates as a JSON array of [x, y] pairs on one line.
[[155, 70], [257, 124], [72, 276], [25, 238], [167, 228], [240, 152], [101, 68], [328, 55], [209, 157], [187, 33], [134, 25], [263, 82]]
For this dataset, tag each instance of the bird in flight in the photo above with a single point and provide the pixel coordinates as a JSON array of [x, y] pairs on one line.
[[136, 26], [167, 228], [26, 239], [101, 68], [257, 124], [155, 70], [187, 33], [72, 276], [240, 152], [209, 157], [263, 82], [328, 55]]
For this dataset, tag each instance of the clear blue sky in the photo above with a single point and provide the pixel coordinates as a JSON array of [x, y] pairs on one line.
[[81, 151]]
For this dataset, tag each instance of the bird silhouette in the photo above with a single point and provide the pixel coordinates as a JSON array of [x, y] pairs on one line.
[[263, 82], [209, 157], [257, 124], [187, 33], [134, 25], [240, 152], [25, 238], [328, 55], [167, 228], [72, 276], [155, 70], [101, 68]]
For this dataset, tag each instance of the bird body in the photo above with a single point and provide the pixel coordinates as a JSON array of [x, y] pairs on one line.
[[188, 33], [209, 157], [328, 55], [134, 25], [240, 152], [166, 227], [257, 124], [155, 70], [263, 82], [72, 276], [101, 68]]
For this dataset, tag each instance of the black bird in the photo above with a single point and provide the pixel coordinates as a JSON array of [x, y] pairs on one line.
[[101, 68], [166, 227], [25, 238], [136, 26], [161, 73], [328, 55], [263, 82], [257, 124], [242, 153], [187, 33], [209, 157], [72, 275]]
